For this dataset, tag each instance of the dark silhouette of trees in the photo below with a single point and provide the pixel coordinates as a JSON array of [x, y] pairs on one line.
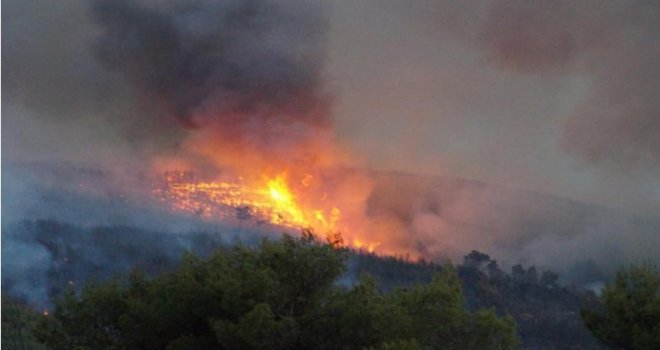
[[547, 313], [475, 259], [280, 295], [629, 317]]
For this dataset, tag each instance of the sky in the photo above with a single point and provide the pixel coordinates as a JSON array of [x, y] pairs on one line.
[[556, 97]]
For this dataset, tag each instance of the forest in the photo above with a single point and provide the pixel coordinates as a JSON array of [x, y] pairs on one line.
[[106, 289]]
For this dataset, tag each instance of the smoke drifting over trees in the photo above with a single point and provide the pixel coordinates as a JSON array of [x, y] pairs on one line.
[[537, 122], [559, 97]]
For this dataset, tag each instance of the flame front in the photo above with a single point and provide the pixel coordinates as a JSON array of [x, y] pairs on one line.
[[273, 200], [288, 172], [284, 207]]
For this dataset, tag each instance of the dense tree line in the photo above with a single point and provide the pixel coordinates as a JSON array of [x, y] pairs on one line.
[[547, 313], [279, 295]]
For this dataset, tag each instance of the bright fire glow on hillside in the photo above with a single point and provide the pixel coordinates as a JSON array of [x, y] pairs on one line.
[[273, 200]]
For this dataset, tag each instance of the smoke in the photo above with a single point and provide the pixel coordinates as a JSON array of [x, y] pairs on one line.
[[611, 46], [254, 58], [439, 218], [559, 97], [42, 258], [248, 70], [125, 77], [556, 96], [547, 79], [618, 124], [25, 269], [58, 97]]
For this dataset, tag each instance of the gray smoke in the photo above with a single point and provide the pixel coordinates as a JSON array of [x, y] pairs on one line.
[[441, 217], [122, 77], [206, 60], [612, 45], [615, 44], [43, 258], [509, 92]]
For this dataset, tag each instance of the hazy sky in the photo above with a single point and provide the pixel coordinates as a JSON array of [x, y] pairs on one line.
[[558, 97]]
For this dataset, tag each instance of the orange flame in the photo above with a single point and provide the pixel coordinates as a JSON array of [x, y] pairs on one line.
[[287, 172], [272, 200], [368, 246]]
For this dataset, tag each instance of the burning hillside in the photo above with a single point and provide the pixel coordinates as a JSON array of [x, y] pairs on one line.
[[229, 121], [216, 122], [243, 82], [274, 201]]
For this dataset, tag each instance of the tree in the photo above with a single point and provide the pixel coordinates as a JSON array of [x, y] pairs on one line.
[[279, 295], [549, 279], [475, 259], [629, 317], [17, 323]]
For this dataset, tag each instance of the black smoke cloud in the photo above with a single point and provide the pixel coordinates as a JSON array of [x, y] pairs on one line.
[[215, 60]]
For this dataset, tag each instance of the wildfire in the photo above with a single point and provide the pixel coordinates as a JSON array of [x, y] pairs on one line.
[[275, 200], [286, 172], [284, 208], [272, 200], [368, 246]]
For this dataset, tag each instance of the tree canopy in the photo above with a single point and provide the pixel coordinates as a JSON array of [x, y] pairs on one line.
[[283, 294], [629, 317]]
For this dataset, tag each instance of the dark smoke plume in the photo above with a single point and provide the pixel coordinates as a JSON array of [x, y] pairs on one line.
[[235, 62]]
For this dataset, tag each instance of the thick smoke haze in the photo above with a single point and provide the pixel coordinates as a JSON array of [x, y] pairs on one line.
[[558, 97], [555, 97], [217, 59], [530, 97]]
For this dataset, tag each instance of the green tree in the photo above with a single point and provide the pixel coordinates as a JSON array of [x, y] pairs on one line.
[[17, 324], [629, 317], [279, 295]]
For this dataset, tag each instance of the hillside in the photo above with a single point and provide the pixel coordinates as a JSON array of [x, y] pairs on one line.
[[433, 217], [59, 257]]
